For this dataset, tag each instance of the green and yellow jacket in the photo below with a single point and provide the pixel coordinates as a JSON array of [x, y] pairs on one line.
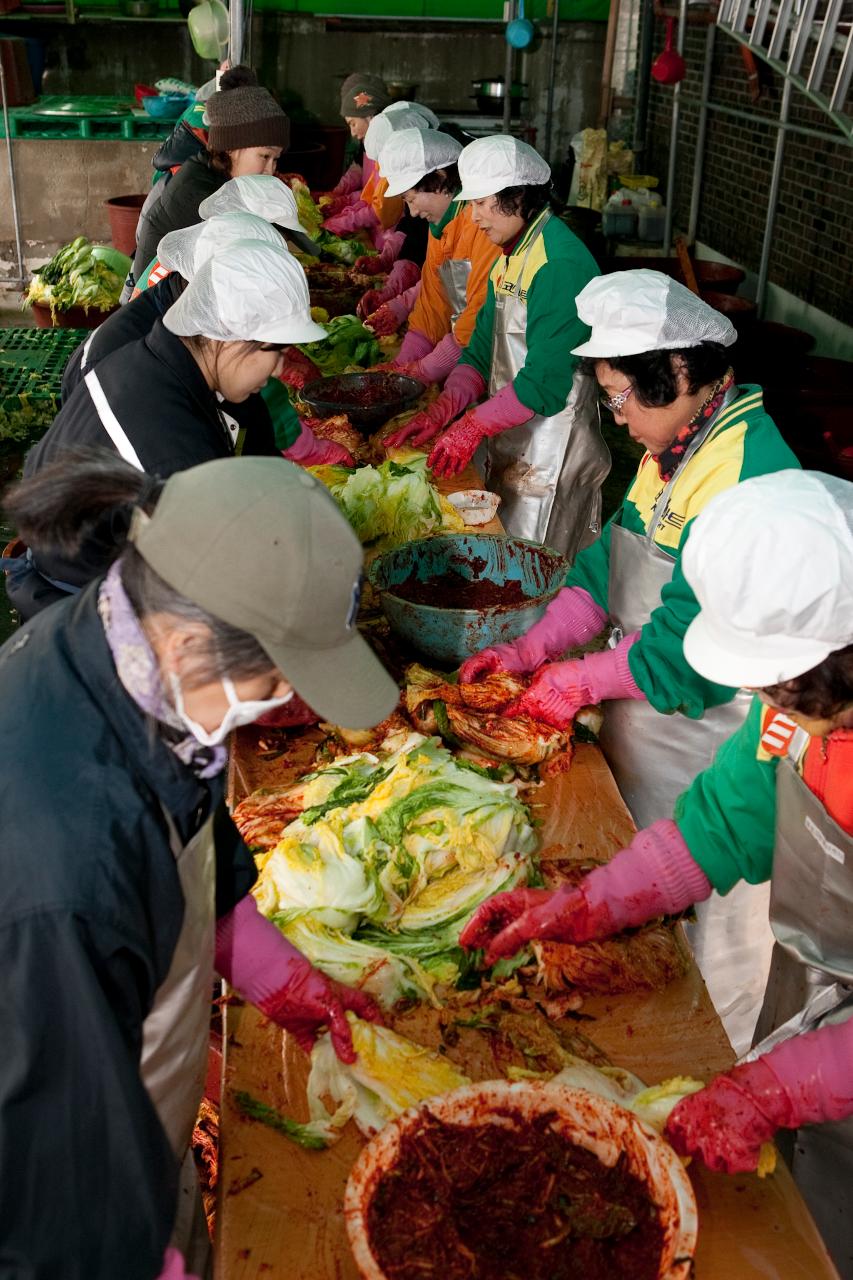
[[743, 442], [558, 267]]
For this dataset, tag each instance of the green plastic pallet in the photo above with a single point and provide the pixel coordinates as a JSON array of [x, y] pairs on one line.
[[104, 121], [32, 362]]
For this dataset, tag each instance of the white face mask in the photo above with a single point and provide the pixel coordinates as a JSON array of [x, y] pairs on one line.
[[238, 712]]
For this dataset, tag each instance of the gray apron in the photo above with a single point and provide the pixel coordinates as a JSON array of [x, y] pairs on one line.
[[811, 982], [453, 274], [548, 472], [654, 758], [176, 1035]]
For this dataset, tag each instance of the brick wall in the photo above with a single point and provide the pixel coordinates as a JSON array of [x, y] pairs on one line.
[[812, 252]]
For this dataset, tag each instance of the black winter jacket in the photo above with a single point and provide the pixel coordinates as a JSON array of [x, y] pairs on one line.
[[90, 912], [176, 208]]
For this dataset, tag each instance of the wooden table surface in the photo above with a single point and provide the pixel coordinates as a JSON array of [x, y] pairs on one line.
[[279, 1214]]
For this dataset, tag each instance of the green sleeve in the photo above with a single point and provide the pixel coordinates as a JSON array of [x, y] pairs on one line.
[[657, 660], [285, 420], [728, 814], [479, 350], [591, 569], [553, 329]]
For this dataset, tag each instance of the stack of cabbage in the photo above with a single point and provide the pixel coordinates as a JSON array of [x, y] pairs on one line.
[[390, 504], [391, 856]]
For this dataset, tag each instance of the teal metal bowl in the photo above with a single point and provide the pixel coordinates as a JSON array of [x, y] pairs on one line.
[[451, 635]]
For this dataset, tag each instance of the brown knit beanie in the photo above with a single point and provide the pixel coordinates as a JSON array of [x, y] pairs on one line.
[[245, 117], [363, 95]]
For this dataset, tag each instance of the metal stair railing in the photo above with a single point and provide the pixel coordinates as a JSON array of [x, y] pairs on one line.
[[797, 39]]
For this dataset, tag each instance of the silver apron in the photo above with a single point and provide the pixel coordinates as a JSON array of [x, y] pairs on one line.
[[811, 983], [548, 471], [176, 1035], [453, 274], [654, 758]]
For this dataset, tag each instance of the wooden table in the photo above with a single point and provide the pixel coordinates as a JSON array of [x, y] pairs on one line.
[[279, 1207]]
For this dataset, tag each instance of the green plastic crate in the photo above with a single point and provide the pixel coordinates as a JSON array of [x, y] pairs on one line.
[[32, 362], [105, 119]]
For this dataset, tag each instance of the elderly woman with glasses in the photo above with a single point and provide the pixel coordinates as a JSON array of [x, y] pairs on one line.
[[660, 356]]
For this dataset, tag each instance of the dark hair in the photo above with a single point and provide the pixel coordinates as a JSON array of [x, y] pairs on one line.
[[443, 181], [81, 506], [823, 692], [525, 202], [236, 78], [653, 374], [221, 161]]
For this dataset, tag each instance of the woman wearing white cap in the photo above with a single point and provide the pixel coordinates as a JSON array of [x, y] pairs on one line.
[[125, 884], [544, 453], [771, 564], [379, 214], [661, 357], [258, 194], [159, 400], [443, 307]]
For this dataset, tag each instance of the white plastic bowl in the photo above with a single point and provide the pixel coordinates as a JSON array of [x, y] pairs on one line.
[[475, 506], [584, 1118]]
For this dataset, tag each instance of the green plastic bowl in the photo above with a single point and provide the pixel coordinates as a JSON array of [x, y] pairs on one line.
[[117, 261]]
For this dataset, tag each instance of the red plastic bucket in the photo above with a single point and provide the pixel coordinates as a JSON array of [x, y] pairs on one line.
[[73, 318], [123, 213]]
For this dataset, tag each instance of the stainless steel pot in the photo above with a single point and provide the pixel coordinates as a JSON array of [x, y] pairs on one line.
[[490, 94]]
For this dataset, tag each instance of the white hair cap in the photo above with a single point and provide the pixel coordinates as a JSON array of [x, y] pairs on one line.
[[254, 293], [489, 165], [411, 154], [382, 126], [428, 114], [258, 193], [631, 312], [771, 563], [187, 250]]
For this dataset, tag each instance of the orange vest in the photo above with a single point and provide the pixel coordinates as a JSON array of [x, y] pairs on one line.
[[388, 209], [460, 239]]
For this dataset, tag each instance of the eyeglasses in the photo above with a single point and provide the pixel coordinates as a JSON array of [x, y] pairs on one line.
[[615, 403]]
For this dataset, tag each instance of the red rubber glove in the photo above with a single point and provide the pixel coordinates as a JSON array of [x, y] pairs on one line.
[[335, 204], [402, 289], [572, 618], [559, 689], [805, 1080], [415, 346], [440, 362], [369, 303], [370, 264], [656, 875], [457, 446], [311, 450], [385, 321], [351, 181], [464, 385], [258, 961]]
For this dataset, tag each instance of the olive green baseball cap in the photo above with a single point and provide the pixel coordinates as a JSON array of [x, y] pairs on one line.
[[260, 544]]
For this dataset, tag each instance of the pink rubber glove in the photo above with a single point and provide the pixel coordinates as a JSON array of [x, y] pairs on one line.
[[805, 1080], [310, 450], [258, 962], [435, 367], [415, 346], [656, 875], [174, 1267], [348, 221], [464, 385], [559, 689], [403, 286], [452, 453], [389, 244], [351, 181], [571, 619]]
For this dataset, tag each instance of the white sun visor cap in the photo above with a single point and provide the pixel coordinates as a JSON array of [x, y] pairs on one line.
[[258, 193], [428, 115], [384, 125], [187, 250], [412, 154], [631, 312], [254, 293], [490, 165], [771, 563]]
